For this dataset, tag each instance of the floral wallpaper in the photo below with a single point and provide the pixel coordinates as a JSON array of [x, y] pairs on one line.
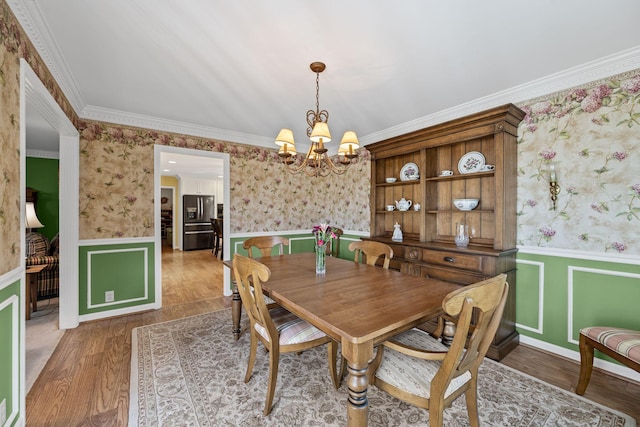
[[116, 181], [14, 45], [591, 135]]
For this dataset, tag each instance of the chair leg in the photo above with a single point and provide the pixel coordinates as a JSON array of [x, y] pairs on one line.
[[252, 356], [586, 365], [336, 377], [471, 397], [274, 358], [436, 412]]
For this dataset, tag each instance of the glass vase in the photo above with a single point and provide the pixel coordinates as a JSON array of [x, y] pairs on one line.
[[321, 255], [461, 234]]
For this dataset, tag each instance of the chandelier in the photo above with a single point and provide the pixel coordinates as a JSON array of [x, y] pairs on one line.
[[317, 162]]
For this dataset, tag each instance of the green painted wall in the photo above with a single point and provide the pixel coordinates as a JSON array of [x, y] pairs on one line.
[[575, 293], [42, 175], [9, 360], [126, 269]]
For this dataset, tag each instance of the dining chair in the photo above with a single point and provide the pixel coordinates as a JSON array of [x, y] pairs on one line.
[[218, 237], [620, 344], [417, 368], [279, 330], [265, 245], [333, 248], [371, 251]]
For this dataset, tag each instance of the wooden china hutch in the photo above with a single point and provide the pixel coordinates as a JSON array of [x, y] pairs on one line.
[[428, 247]]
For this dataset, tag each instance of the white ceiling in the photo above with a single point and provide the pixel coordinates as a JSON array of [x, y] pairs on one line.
[[239, 70]]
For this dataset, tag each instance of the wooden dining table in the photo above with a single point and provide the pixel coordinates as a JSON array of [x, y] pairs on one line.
[[356, 304]]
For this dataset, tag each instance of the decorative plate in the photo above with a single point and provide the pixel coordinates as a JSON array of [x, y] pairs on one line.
[[409, 172], [471, 162]]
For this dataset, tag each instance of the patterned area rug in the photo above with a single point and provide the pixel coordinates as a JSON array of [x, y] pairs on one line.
[[190, 372]]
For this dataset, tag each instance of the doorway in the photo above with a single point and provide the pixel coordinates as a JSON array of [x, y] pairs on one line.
[[38, 98], [159, 150], [168, 215], [38, 108]]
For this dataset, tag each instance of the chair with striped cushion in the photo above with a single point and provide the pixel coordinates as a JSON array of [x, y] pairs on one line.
[[622, 345], [279, 330], [39, 251], [418, 369]]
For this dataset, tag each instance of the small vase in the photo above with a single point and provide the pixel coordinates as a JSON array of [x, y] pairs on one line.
[[321, 253], [461, 235]]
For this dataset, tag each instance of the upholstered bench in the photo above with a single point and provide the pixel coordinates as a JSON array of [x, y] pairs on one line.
[[622, 345]]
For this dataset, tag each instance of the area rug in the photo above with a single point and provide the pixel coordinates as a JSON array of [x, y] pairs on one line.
[[190, 372]]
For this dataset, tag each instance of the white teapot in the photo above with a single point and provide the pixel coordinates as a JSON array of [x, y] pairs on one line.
[[403, 205]]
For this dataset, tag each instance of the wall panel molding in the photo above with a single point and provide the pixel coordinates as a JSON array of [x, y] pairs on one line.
[[538, 329], [145, 285], [572, 287], [13, 304]]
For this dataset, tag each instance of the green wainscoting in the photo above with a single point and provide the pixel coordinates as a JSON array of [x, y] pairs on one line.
[[298, 242], [556, 296], [125, 269], [10, 365]]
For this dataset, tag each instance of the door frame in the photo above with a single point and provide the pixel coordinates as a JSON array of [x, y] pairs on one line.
[[34, 93], [157, 172]]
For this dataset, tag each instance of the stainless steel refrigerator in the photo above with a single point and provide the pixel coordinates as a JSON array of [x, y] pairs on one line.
[[196, 220]]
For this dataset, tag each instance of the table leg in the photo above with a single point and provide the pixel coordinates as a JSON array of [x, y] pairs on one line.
[[358, 357], [27, 297], [31, 294], [448, 332], [236, 312], [33, 289]]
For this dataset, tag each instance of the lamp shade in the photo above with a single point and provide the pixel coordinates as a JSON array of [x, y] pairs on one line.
[[285, 136], [349, 143], [320, 132], [31, 219]]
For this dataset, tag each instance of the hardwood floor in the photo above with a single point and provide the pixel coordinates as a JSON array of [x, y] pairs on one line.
[[86, 381]]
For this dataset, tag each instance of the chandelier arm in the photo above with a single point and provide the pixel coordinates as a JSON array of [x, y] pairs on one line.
[[295, 169]]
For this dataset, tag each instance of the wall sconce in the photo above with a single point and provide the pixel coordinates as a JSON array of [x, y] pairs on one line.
[[554, 188]]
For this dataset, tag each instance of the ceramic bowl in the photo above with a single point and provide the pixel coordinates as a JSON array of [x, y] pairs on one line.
[[465, 204], [390, 180]]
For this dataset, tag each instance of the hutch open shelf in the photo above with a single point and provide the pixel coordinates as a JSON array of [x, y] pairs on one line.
[[428, 247]]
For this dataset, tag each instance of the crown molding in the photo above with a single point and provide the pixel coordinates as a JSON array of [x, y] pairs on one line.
[[608, 66], [36, 28], [41, 154], [149, 122], [621, 62], [30, 17]]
